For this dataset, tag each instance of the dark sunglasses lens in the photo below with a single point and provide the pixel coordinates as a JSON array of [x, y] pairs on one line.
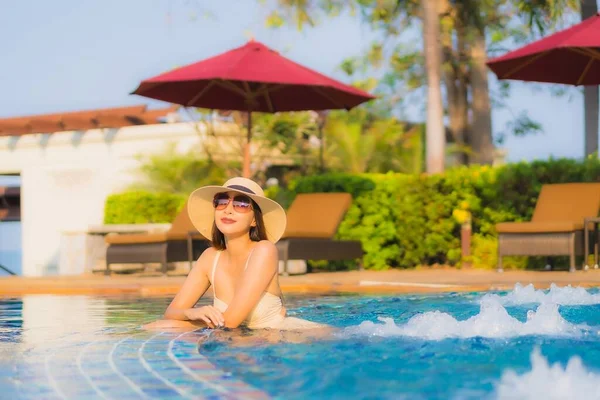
[[242, 203], [220, 201]]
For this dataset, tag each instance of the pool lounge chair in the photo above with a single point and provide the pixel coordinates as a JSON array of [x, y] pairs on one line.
[[163, 248], [556, 227], [313, 220]]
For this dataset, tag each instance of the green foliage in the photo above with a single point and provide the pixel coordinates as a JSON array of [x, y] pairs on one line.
[[136, 207], [484, 254], [281, 195], [364, 139], [396, 58], [545, 14], [374, 220], [353, 184], [484, 250], [285, 131], [370, 140], [174, 172], [407, 220], [521, 126]]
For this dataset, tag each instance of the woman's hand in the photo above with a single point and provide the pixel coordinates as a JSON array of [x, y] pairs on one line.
[[208, 314]]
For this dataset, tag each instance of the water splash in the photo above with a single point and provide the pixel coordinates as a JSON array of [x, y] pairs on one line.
[[493, 321], [545, 381], [566, 295]]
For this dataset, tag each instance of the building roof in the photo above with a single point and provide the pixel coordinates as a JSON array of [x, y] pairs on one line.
[[83, 120]]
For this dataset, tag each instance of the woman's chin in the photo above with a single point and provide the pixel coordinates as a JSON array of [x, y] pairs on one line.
[[232, 232]]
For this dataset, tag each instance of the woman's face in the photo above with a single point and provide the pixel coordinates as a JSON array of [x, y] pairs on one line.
[[233, 214]]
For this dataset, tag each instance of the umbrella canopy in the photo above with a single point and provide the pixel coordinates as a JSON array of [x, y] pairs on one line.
[[251, 78], [571, 56]]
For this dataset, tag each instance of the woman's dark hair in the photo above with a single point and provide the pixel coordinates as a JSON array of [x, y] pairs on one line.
[[257, 233]]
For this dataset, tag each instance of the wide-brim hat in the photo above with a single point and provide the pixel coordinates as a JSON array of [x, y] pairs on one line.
[[202, 213]]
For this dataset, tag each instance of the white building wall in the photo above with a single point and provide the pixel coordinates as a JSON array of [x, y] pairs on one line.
[[67, 176]]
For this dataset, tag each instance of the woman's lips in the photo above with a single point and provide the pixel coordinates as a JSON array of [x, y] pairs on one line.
[[227, 220]]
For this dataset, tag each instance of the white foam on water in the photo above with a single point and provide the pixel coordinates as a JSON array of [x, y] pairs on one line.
[[493, 321], [550, 382], [566, 295]]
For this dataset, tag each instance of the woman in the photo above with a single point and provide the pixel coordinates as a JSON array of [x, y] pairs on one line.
[[241, 265]]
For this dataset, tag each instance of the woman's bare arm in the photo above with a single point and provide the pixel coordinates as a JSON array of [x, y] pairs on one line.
[[262, 267], [194, 287]]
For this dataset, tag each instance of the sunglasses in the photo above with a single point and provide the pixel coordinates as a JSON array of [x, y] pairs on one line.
[[241, 204]]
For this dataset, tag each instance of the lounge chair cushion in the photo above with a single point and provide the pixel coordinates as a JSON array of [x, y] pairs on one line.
[[538, 227], [182, 224], [560, 207], [183, 236], [316, 215], [567, 202], [136, 238]]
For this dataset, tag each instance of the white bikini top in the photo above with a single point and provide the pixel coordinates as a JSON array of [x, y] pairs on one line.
[[266, 313]]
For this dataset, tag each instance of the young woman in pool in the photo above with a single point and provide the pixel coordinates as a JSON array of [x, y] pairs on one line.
[[241, 265]]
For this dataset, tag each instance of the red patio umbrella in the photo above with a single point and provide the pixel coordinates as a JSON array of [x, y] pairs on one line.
[[571, 56], [251, 78]]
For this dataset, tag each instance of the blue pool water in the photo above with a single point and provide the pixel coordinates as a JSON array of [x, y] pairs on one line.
[[522, 344]]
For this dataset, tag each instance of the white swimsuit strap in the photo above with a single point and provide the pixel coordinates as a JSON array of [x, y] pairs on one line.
[[248, 260], [212, 278]]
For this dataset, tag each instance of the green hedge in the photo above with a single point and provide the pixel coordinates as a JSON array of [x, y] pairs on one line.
[[338, 182], [353, 184], [404, 220], [142, 208]]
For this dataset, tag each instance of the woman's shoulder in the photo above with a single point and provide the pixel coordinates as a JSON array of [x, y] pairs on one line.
[[211, 252], [264, 254], [265, 248], [265, 245], [207, 257]]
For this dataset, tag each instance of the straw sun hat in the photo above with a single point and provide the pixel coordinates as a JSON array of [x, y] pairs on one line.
[[202, 213]]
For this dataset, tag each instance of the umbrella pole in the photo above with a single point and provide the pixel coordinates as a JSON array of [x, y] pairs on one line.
[[246, 166], [321, 148]]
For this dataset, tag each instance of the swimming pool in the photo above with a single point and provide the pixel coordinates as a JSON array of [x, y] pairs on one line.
[[518, 344]]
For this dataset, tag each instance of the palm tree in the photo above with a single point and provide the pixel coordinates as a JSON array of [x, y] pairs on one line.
[[348, 148], [435, 133]]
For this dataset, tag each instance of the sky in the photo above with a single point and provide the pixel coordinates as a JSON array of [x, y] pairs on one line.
[[68, 55]]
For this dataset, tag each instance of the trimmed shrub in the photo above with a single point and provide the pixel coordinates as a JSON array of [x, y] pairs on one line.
[[353, 184], [142, 208]]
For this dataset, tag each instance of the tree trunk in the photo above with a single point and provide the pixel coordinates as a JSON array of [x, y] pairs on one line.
[[455, 81], [435, 134], [591, 100], [462, 97], [480, 134]]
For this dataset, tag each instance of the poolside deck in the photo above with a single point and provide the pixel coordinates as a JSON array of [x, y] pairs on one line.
[[395, 281]]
